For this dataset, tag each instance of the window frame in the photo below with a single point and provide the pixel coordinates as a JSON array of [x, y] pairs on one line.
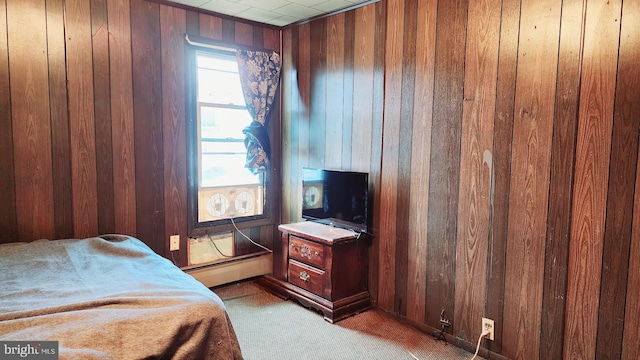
[[271, 206]]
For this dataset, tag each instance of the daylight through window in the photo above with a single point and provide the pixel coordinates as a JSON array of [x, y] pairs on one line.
[[226, 189]]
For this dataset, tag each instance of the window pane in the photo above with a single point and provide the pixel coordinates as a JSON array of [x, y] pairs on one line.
[[226, 170], [218, 81], [223, 123]]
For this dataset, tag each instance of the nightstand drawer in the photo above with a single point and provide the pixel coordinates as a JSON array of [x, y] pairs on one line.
[[306, 277], [306, 251]]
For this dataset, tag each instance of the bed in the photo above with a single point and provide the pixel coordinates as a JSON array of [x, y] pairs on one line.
[[109, 297]]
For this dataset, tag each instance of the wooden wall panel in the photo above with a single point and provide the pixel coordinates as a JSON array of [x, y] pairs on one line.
[[60, 141], [627, 107], [270, 39], [174, 142], [102, 114], [289, 101], [362, 99], [530, 161], [347, 88], [243, 34], [81, 117], [318, 93], [420, 156], [375, 169], [31, 120], [476, 166], [147, 115], [444, 162], [211, 27], [8, 216], [404, 154], [619, 209], [304, 106], [561, 179], [122, 121], [503, 133], [389, 174], [335, 96], [591, 177]]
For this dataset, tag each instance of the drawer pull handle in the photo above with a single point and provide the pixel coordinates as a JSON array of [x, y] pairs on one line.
[[305, 251], [304, 276]]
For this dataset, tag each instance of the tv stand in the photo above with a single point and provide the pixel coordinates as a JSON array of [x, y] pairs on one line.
[[322, 267]]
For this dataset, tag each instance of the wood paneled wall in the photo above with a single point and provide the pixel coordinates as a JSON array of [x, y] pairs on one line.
[[502, 142], [92, 117]]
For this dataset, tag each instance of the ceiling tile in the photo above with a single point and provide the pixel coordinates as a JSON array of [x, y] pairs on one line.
[[332, 5], [265, 5], [224, 7], [297, 11], [273, 12]]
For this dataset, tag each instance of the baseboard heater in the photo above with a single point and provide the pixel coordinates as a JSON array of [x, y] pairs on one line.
[[236, 269]]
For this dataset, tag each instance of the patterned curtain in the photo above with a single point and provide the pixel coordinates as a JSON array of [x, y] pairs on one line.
[[259, 74]]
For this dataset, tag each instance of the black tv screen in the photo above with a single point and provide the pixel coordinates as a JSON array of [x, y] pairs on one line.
[[336, 198]]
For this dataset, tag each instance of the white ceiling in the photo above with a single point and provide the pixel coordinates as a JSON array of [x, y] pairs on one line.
[[273, 12]]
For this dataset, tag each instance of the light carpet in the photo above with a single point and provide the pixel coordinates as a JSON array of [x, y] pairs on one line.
[[271, 328]]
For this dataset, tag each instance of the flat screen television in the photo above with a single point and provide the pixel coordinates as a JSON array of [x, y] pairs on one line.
[[336, 198]]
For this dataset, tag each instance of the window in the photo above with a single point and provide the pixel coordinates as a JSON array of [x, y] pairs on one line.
[[225, 188]]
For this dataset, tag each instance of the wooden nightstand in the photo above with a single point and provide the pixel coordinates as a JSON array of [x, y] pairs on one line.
[[323, 267]]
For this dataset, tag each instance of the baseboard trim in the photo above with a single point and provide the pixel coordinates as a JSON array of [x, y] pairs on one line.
[[228, 272]]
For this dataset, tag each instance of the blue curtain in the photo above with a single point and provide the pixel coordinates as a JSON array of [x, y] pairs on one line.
[[259, 75]]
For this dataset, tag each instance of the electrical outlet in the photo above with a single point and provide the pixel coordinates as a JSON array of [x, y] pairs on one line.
[[174, 243], [487, 325]]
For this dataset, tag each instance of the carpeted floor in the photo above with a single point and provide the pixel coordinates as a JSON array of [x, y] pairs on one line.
[[271, 328]]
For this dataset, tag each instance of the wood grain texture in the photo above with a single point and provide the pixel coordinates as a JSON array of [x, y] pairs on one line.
[[476, 165], [335, 80], [317, 92], [243, 34], [616, 264], [289, 102], [60, 141], [193, 23], [503, 134], [389, 171], [211, 27], [420, 156], [561, 179], [122, 120], [8, 216], [31, 120], [102, 113], [363, 63], [270, 39], [528, 200], [628, 89], [174, 140], [375, 169], [81, 118], [444, 168], [410, 20], [304, 104], [347, 88], [228, 31], [147, 117], [602, 29]]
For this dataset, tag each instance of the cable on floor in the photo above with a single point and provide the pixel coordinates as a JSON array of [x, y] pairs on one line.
[[484, 333]]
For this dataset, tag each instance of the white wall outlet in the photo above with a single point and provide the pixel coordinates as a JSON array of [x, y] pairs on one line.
[[174, 243], [487, 326]]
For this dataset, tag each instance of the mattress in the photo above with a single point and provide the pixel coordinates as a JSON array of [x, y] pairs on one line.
[[109, 297]]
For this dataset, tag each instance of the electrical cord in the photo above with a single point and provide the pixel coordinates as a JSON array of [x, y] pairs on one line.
[[484, 333], [248, 238]]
